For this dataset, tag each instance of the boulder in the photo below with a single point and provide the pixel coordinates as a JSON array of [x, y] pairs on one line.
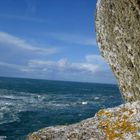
[[118, 38], [119, 123]]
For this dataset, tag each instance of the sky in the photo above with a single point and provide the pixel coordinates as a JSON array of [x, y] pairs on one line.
[[51, 39]]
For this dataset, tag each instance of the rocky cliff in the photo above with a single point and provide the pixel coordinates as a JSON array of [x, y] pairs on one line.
[[118, 38]]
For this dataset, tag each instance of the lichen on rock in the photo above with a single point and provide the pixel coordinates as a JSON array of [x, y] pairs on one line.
[[119, 123]]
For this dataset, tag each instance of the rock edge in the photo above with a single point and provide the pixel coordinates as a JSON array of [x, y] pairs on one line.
[[122, 122]]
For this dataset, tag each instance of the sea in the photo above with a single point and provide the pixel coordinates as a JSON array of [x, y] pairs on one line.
[[27, 105]]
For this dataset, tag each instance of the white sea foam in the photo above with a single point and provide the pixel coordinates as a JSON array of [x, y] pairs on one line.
[[1, 115], [3, 137], [84, 103], [12, 103], [96, 98]]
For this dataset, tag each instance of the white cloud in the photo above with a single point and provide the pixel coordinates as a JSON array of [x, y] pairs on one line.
[[24, 18], [89, 67], [74, 39], [92, 64], [20, 58], [13, 41], [91, 70], [62, 62], [15, 50], [62, 65], [94, 69], [4, 64], [95, 59]]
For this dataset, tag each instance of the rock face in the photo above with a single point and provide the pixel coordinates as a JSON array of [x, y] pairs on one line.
[[118, 38], [120, 123]]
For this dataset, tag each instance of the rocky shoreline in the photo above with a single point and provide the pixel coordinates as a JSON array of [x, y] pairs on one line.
[[119, 123]]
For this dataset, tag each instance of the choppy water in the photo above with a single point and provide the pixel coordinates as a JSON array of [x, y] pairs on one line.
[[27, 105]]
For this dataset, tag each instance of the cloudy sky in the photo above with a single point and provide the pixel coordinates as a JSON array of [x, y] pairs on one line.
[[50, 39]]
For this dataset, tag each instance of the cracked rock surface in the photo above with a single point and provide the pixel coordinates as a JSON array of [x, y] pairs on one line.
[[118, 38]]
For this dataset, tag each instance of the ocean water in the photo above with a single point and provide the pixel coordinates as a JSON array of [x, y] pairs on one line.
[[27, 105]]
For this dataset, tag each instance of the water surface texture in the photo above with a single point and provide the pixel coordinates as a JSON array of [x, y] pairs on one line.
[[27, 105]]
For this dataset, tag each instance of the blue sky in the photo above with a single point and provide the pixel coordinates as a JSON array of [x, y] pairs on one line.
[[51, 39]]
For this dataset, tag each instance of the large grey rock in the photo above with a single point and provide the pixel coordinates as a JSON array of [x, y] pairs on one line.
[[118, 37]]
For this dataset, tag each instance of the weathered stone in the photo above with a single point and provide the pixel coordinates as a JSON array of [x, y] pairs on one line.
[[122, 122], [118, 37]]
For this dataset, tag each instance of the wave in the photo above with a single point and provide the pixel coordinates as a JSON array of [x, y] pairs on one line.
[[3, 137], [13, 102], [84, 103]]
